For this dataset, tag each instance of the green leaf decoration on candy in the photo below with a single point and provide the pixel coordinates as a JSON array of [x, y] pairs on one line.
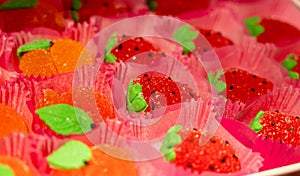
[[214, 80], [6, 171], [289, 63], [75, 15], [18, 4], [71, 155], [294, 75], [255, 125], [135, 98], [65, 119], [34, 45], [110, 58], [254, 27], [185, 36], [76, 4], [112, 42], [152, 4], [170, 141]]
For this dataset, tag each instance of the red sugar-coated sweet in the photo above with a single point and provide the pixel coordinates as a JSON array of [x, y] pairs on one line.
[[282, 32], [281, 127], [218, 155], [132, 47], [160, 90], [243, 86]]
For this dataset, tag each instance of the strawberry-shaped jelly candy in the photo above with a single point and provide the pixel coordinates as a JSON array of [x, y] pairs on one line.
[[277, 126], [216, 39], [217, 155], [176, 7], [132, 47], [271, 30], [241, 85], [160, 90]]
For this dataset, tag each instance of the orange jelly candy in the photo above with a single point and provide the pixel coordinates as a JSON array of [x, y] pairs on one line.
[[65, 53], [37, 62], [11, 121], [103, 164], [86, 95], [61, 57]]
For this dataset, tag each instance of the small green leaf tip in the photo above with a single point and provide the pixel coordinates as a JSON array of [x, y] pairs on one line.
[[289, 63], [135, 98], [214, 80], [76, 4], [75, 15], [185, 36], [18, 4], [6, 171], [255, 125], [294, 75], [112, 42], [152, 4], [33, 45], [253, 26], [72, 155], [66, 119], [171, 139]]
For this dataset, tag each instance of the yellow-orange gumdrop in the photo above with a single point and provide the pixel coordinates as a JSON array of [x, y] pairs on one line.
[[11, 121], [37, 62], [103, 164], [16, 165], [65, 54]]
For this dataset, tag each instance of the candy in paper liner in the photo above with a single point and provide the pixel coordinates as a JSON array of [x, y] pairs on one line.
[[31, 149], [282, 10], [129, 71], [284, 99], [16, 96], [275, 154], [254, 59], [216, 19], [250, 161]]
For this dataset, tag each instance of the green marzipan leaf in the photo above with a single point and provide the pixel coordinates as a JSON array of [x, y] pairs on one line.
[[214, 80], [170, 141], [18, 4], [254, 27], [185, 36], [135, 98], [34, 45], [255, 125], [65, 119], [6, 170], [71, 155], [112, 42], [289, 63], [76, 4]]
